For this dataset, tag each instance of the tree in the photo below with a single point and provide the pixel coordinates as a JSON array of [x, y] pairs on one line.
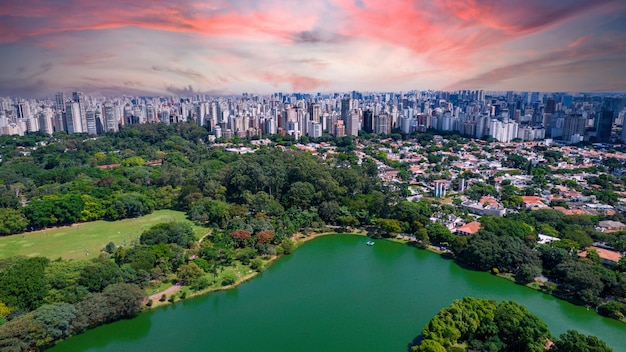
[[439, 233], [177, 232], [52, 322], [208, 211], [11, 221], [40, 213], [189, 273], [581, 281], [429, 346], [388, 226], [23, 285], [300, 194], [100, 274], [573, 341], [265, 237], [130, 205], [124, 300], [242, 238], [551, 256], [287, 246], [593, 256]]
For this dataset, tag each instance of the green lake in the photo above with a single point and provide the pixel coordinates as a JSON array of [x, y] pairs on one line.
[[334, 293]]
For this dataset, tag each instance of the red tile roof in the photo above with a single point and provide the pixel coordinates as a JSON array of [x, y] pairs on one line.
[[470, 228], [605, 254]]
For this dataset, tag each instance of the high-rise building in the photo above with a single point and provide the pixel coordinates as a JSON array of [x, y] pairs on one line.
[[315, 112], [79, 97], [352, 127], [339, 129], [573, 125], [90, 117], [110, 122], [346, 107], [550, 106], [368, 121], [382, 124], [604, 124], [59, 102], [23, 110], [45, 121], [71, 118]]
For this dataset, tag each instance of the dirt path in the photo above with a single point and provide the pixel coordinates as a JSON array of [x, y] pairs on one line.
[[170, 291], [202, 238]]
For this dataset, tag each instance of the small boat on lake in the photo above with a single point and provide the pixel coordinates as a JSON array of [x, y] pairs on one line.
[[370, 243]]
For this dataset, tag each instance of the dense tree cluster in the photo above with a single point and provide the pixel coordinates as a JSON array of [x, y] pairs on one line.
[[45, 301], [484, 325], [508, 245]]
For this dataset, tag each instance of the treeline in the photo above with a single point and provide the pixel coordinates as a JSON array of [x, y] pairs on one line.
[[508, 245], [487, 325]]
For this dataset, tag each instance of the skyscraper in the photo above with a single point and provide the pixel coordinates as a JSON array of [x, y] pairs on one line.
[[59, 101], [604, 124], [382, 124], [110, 122], [79, 97], [346, 107], [573, 125], [352, 127], [368, 121], [315, 112], [71, 118]]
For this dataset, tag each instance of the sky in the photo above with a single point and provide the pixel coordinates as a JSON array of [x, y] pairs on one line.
[[186, 47]]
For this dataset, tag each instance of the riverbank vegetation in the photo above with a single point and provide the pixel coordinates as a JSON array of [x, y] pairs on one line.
[[486, 325]]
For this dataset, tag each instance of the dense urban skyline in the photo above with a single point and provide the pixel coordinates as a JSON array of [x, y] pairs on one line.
[[229, 47]]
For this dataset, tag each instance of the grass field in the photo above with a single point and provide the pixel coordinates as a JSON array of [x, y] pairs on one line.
[[83, 241]]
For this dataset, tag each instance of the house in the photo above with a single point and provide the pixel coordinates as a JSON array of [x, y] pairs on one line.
[[570, 211], [607, 256], [486, 206], [545, 239], [611, 226], [533, 202], [468, 229]]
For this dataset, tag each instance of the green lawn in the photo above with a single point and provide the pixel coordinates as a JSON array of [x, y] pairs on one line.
[[82, 241]]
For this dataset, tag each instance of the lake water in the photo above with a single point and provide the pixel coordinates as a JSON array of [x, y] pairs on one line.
[[334, 293]]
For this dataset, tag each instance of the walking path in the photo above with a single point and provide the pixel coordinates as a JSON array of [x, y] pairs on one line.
[[168, 292]]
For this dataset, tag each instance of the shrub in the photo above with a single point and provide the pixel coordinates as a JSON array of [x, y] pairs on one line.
[[163, 298], [287, 245], [201, 284], [256, 264], [229, 279]]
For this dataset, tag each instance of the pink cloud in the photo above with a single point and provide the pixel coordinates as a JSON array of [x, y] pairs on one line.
[[297, 82], [31, 18], [449, 31]]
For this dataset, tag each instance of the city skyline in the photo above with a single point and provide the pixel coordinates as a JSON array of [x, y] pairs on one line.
[[229, 47]]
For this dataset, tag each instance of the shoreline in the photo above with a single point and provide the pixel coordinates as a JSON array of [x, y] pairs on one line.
[[299, 240]]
